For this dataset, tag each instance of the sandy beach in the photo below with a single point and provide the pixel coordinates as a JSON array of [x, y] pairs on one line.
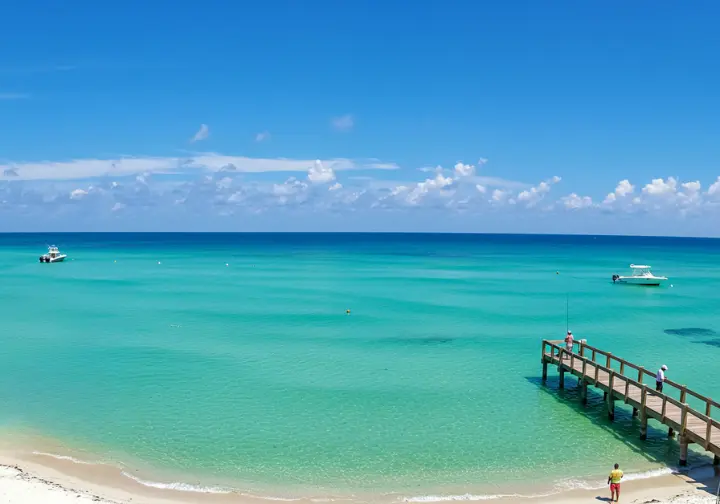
[[33, 479]]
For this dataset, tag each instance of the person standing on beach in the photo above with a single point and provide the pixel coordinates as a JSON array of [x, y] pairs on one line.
[[660, 378], [614, 479]]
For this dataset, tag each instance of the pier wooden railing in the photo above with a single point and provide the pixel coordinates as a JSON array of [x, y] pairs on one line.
[[623, 380]]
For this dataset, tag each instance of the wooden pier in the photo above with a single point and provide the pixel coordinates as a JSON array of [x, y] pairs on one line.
[[624, 381]]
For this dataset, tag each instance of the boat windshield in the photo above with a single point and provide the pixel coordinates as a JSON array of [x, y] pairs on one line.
[[641, 272]]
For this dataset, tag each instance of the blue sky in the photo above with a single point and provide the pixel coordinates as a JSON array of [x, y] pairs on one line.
[[516, 116]]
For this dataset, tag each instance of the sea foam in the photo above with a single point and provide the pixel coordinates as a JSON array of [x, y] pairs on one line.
[[560, 487], [64, 457]]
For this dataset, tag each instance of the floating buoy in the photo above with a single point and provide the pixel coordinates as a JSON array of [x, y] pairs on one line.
[[227, 264], [159, 262], [347, 312]]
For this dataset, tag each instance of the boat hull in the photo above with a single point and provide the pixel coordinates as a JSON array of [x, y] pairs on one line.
[[47, 259], [650, 281]]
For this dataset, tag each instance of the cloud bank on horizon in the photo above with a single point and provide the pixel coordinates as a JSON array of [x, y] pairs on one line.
[[209, 185]]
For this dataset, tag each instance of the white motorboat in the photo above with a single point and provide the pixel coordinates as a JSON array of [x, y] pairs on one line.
[[641, 275], [53, 255]]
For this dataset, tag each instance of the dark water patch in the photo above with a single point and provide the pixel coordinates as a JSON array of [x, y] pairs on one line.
[[691, 331], [712, 342]]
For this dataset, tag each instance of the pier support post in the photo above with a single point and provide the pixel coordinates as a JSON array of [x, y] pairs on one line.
[[643, 425], [683, 450], [583, 391], [544, 375], [716, 460], [671, 432], [562, 377], [643, 413], [610, 407], [635, 412]]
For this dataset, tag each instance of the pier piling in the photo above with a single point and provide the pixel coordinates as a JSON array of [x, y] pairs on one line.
[[583, 391], [610, 407], [684, 442]]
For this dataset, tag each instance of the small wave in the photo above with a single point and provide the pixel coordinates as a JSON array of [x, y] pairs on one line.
[[560, 486], [187, 487], [182, 487], [565, 485], [463, 497], [64, 457]]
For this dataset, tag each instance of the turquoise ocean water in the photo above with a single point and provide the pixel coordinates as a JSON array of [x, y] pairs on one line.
[[229, 360]]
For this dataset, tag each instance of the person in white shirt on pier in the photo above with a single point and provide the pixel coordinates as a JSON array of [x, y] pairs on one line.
[[660, 378]]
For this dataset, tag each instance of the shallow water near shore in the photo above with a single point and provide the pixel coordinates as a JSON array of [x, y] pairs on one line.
[[230, 359]]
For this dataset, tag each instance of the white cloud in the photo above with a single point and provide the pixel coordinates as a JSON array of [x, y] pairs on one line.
[[78, 194], [714, 189], [624, 188], [290, 186], [498, 195], [424, 188], [464, 170], [262, 137], [196, 163], [660, 187], [210, 184], [224, 183], [202, 134], [536, 194], [343, 123], [573, 201], [320, 174], [692, 187]]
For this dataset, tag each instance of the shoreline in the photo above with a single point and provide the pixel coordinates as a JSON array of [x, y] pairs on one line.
[[44, 478]]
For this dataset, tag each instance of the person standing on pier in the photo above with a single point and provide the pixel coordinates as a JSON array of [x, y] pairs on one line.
[[616, 475], [569, 342], [660, 378]]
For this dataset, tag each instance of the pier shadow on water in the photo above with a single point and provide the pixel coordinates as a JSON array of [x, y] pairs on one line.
[[625, 429]]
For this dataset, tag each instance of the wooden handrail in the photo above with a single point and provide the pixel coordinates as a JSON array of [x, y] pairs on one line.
[[609, 357]]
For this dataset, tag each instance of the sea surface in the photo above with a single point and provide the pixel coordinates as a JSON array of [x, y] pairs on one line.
[[231, 360]]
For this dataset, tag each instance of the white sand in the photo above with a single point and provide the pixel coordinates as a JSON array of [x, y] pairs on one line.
[[18, 487], [24, 481]]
